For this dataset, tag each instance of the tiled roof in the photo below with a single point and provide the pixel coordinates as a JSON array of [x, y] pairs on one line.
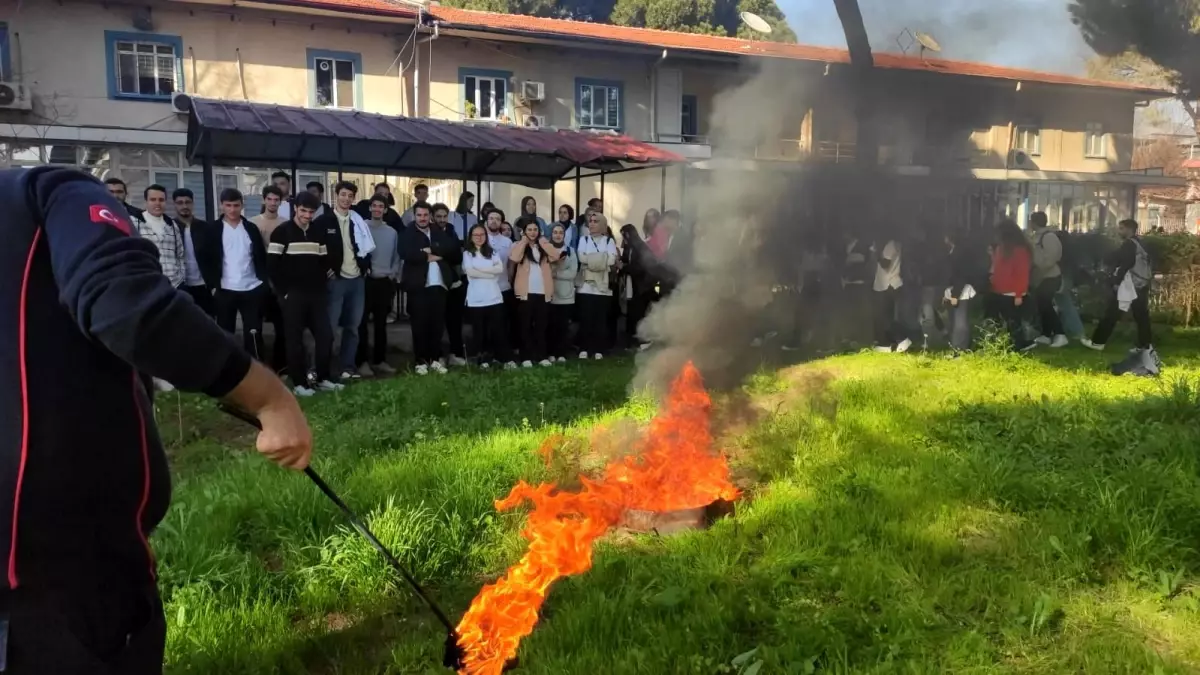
[[462, 18]]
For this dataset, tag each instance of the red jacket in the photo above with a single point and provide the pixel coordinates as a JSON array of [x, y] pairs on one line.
[[1010, 274]]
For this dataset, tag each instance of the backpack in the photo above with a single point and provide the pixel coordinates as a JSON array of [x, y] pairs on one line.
[[1141, 271], [1140, 362]]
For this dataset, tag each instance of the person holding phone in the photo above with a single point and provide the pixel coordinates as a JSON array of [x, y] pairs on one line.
[[533, 284]]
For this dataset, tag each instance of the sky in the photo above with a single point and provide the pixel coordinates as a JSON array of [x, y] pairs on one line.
[[1035, 34]]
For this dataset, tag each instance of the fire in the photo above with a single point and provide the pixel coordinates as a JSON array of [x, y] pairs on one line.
[[673, 467]]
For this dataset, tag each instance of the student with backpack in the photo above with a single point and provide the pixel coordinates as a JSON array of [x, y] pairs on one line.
[[1046, 280], [1064, 300], [1130, 289]]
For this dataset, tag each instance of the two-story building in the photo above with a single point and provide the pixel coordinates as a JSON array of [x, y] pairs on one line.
[[93, 84]]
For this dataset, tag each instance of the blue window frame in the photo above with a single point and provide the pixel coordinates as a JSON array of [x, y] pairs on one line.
[[484, 94], [143, 66], [5, 59], [599, 104], [335, 79]]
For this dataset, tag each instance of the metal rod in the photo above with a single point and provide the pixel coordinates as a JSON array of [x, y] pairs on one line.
[[209, 198], [662, 192]]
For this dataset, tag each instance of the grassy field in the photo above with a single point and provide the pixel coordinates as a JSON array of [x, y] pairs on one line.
[[907, 514]]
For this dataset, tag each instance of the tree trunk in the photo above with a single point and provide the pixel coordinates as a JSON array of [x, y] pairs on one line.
[[863, 65]]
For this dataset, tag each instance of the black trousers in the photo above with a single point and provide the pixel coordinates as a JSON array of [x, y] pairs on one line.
[[489, 334], [202, 297], [559, 334], [637, 308], [372, 344], [1044, 297], [1013, 318], [456, 301], [249, 304], [532, 315], [511, 324], [427, 309], [593, 321], [887, 332], [109, 630], [273, 312], [307, 310], [1139, 309]]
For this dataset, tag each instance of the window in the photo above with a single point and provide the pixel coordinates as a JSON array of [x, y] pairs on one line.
[[335, 79], [1029, 139], [598, 104], [688, 122], [1095, 142], [484, 93], [5, 63], [143, 65]]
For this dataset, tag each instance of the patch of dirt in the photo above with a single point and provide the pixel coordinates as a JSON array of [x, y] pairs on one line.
[[336, 622]]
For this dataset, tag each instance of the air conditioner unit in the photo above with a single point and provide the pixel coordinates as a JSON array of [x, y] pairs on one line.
[[535, 121], [15, 97], [533, 91], [181, 102], [1019, 159]]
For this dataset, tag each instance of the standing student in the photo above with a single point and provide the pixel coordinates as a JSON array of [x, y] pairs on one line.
[[420, 196], [502, 244], [533, 283], [650, 223], [430, 256], [462, 219], [485, 303], [266, 222], [857, 277], [638, 265], [963, 269], [233, 260], [349, 245], [1064, 300], [1130, 293], [562, 303], [529, 208], [283, 182], [597, 256], [383, 271], [117, 188], [155, 226], [889, 333], [933, 274], [86, 481], [1012, 260], [297, 259], [193, 280], [566, 218], [317, 189], [1046, 279], [384, 191], [456, 295]]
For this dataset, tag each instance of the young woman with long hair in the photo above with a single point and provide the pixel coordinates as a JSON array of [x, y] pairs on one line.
[[529, 208], [1012, 256], [485, 302], [533, 284]]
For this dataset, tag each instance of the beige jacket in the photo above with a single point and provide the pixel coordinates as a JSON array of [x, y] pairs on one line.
[[521, 278]]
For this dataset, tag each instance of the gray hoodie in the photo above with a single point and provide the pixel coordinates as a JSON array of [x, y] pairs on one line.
[[1047, 253]]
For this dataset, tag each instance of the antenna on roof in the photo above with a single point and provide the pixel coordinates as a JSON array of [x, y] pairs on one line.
[[756, 23]]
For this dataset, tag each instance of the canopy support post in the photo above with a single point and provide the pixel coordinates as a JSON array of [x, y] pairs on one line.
[[209, 197], [339, 160], [295, 188], [662, 192], [578, 192], [479, 195], [602, 186]]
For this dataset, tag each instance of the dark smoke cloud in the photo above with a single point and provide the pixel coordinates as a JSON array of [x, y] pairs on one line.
[[1034, 34]]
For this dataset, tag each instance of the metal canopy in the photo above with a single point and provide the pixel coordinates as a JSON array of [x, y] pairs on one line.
[[256, 134]]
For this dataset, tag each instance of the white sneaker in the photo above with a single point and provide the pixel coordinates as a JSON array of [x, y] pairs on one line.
[[422, 369], [384, 368], [903, 346], [511, 365], [303, 392], [562, 359], [350, 375], [527, 364], [884, 349], [326, 385], [545, 362], [485, 365], [163, 385], [583, 355], [1042, 340], [365, 370], [1086, 342], [1059, 341], [598, 356], [438, 368], [644, 346], [457, 361]]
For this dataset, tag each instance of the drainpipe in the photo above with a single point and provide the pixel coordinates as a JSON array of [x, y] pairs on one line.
[[654, 96], [428, 39], [20, 69]]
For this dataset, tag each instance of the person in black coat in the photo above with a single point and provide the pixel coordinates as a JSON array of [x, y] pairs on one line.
[[431, 256], [239, 281], [640, 268]]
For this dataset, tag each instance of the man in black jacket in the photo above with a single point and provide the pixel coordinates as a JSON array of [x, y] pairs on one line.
[[233, 261], [430, 258], [347, 249], [86, 312], [117, 188], [1133, 261], [363, 208]]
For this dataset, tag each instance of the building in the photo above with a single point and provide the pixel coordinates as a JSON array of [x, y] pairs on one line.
[[92, 84]]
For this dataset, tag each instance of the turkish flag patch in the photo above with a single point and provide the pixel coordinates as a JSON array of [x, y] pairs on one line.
[[105, 216]]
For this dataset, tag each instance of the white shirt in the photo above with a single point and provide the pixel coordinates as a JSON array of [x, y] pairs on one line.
[[889, 279], [237, 268], [285, 211], [483, 289], [191, 276], [601, 244], [501, 245], [463, 222], [537, 285], [433, 274]]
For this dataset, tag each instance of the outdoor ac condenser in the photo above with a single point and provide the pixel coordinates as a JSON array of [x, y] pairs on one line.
[[533, 91]]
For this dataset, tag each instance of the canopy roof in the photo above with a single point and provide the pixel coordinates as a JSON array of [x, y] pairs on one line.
[[257, 134]]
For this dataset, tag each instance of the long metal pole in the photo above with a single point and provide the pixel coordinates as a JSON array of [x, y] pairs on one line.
[[209, 198]]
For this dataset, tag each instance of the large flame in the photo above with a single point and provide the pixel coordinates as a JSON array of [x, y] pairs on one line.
[[673, 467]]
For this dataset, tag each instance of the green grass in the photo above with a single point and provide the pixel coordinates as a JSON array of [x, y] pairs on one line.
[[902, 514]]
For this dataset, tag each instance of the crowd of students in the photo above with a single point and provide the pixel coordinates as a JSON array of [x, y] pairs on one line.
[[532, 292]]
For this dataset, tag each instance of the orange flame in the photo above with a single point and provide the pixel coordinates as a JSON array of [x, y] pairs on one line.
[[673, 468]]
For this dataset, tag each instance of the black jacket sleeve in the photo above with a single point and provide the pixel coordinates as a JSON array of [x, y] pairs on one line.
[[412, 246], [277, 261], [113, 288], [1123, 259]]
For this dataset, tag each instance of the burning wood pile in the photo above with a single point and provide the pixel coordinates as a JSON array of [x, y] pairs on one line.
[[673, 469]]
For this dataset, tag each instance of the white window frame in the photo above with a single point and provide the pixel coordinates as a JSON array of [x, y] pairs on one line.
[[499, 108], [1024, 133], [156, 45], [1095, 142], [335, 104]]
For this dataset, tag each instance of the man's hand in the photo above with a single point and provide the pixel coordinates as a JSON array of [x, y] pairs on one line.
[[432, 257], [285, 437], [1018, 301], [954, 302]]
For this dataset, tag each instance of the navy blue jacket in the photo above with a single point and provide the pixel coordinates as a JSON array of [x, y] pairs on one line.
[[84, 308]]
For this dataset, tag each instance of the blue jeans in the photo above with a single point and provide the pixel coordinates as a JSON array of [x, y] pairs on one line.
[[1067, 312], [346, 300]]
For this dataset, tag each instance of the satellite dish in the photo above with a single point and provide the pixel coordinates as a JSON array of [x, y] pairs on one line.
[[927, 42], [756, 23]]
